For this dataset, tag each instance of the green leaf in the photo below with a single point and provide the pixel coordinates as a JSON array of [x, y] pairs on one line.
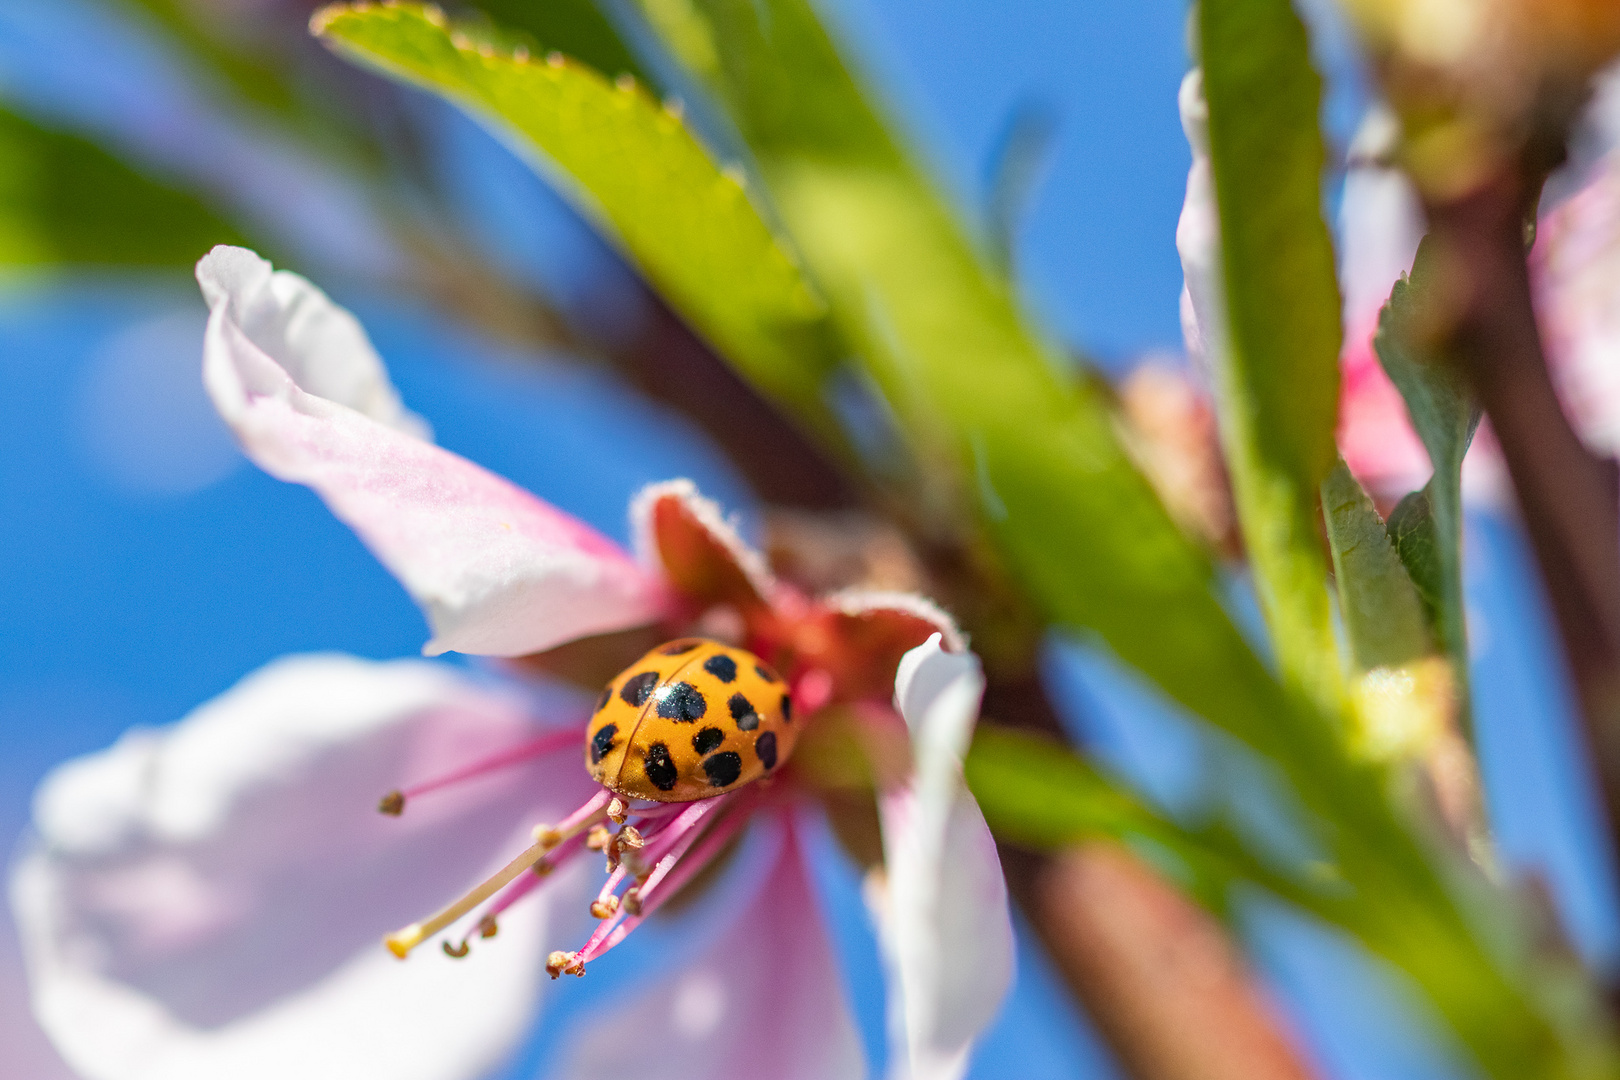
[[1383, 614], [64, 200], [1004, 429], [1428, 533], [1277, 377], [576, 28], [634, 168], [1411, 530], [1036, 793]]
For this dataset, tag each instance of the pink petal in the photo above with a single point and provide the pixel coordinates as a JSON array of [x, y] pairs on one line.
[[762, 1001], [1381, 221], [687, 539], [944, 923], [496, 570], [208, 900], [1576, 263]]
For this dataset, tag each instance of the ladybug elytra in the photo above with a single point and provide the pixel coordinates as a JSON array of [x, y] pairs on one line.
[[691, 719]]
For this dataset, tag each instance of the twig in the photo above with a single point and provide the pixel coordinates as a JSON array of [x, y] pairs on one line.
[[1569, 497]]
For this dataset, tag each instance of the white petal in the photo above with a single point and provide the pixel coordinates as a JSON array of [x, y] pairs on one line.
[[497, 570], [762, 1001], [944, 923], [1198, 238], [208, 901], [319, 345]]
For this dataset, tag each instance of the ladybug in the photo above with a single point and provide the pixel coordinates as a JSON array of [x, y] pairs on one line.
[[691, 719]]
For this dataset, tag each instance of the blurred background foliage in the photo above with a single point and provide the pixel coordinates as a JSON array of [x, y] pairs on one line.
[[782, 265]]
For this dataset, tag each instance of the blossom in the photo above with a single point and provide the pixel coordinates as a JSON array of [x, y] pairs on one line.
[[1575, 270], [497, 572]]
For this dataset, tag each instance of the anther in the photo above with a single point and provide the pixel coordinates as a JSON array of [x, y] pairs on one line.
[[560, 962], [456, 951], [617, 811], [488, 927], [598, 838], [548, 836], [392, 804], [543, 868], [606, 908], [630, 839], [632, 900]]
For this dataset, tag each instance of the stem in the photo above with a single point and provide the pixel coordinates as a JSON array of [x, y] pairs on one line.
[[1172, 997], [1569, 497]]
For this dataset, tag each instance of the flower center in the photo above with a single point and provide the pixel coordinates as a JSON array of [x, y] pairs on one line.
[[652, 850]]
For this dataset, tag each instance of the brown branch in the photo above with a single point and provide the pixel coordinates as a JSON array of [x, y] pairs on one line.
[[1171, 995], [1569, 497]]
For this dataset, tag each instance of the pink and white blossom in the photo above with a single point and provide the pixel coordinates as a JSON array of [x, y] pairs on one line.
[[170, 868], [1575, 268]]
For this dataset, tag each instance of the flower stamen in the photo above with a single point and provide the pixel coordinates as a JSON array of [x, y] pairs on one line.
[[402, 941], [393, 803]]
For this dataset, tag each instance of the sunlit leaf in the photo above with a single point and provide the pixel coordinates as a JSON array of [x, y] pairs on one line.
[[1008, 433], [64, 200], [1383, 614], [1427, 526], [1277, 377], [633, 167], [576, 28]]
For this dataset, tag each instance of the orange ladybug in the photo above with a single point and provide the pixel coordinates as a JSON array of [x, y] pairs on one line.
[[691, 719]]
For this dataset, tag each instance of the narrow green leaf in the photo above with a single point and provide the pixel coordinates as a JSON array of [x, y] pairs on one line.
[[1277, 378], [64, 200], [1428, 527], [1002, 428], [635, 169], [1383, 614], [1036, 793]]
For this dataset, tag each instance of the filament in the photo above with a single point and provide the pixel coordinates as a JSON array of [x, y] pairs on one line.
[[394, 802], [546, 838]]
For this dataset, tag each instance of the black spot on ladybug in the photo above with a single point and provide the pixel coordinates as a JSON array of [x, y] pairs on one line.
[[742, 711], [681, 702], [721, 667], [602, 742], [787, 707], [660, 769], [638, 688], [708, 739], [723, 768], [765, 747], [767, 674], [607, 696], [684, 645]]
